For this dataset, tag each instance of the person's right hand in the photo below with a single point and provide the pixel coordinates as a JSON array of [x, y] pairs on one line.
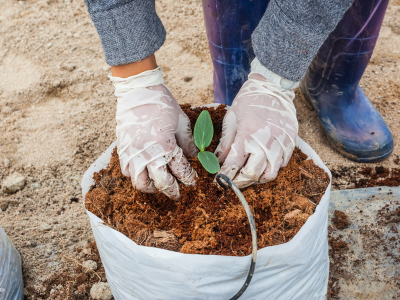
[[260, 129], [153, 132]]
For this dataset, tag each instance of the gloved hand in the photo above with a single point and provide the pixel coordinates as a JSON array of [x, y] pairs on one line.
[[260, 129], [153, 132]]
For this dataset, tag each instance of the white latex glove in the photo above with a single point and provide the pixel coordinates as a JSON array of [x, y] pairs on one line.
[[260, 129], [153, 132]]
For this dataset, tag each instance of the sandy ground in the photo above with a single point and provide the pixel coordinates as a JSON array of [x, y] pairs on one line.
[[57, 112]]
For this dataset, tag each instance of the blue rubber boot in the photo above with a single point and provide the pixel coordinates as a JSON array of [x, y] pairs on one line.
[[229, 27], [352, 124]]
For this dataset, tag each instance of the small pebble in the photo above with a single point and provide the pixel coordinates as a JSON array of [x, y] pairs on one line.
[[389, 59], [6, 110], [86, 251], [74, 48], [36, 185], [101, 291], [7, 163], [90, 264], [14, 183], [82, 128], [49, 45], [3, 205], [69, 67], [45, 227]]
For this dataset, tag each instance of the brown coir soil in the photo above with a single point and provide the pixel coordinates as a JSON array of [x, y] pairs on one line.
[[337, 253], [208, 220], [379, 176], [365, 177], [340, 219]]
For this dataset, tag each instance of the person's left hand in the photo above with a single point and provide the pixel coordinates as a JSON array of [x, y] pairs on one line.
[[153, 134], [259, 130]]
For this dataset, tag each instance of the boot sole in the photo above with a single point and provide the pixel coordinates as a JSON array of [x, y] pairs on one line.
[[357, 159]]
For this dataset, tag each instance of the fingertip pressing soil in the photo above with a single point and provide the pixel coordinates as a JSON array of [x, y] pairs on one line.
[[340, 220], [207, 219]]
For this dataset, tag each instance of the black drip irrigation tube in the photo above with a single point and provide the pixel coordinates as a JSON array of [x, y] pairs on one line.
[[246, 284]]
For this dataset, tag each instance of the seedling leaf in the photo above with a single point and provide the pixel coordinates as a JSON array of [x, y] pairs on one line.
[[209, 161], [203, 130]]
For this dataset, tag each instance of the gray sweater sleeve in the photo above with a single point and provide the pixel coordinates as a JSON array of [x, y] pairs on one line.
[[130, 30], [292, 31], [285, 41]]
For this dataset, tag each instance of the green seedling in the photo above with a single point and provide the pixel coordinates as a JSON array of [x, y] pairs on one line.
[[203, 134]]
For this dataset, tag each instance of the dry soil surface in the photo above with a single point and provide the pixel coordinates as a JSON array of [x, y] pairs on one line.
[[57, 113]]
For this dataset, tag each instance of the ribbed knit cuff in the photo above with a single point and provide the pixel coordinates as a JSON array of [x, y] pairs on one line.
[[130, 32], [284, 46]]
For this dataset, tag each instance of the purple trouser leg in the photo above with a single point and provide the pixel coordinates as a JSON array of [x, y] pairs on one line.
[[229, 27]]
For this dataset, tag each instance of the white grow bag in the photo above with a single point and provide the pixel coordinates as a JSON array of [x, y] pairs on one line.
[[298, 269], [11, 285]]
